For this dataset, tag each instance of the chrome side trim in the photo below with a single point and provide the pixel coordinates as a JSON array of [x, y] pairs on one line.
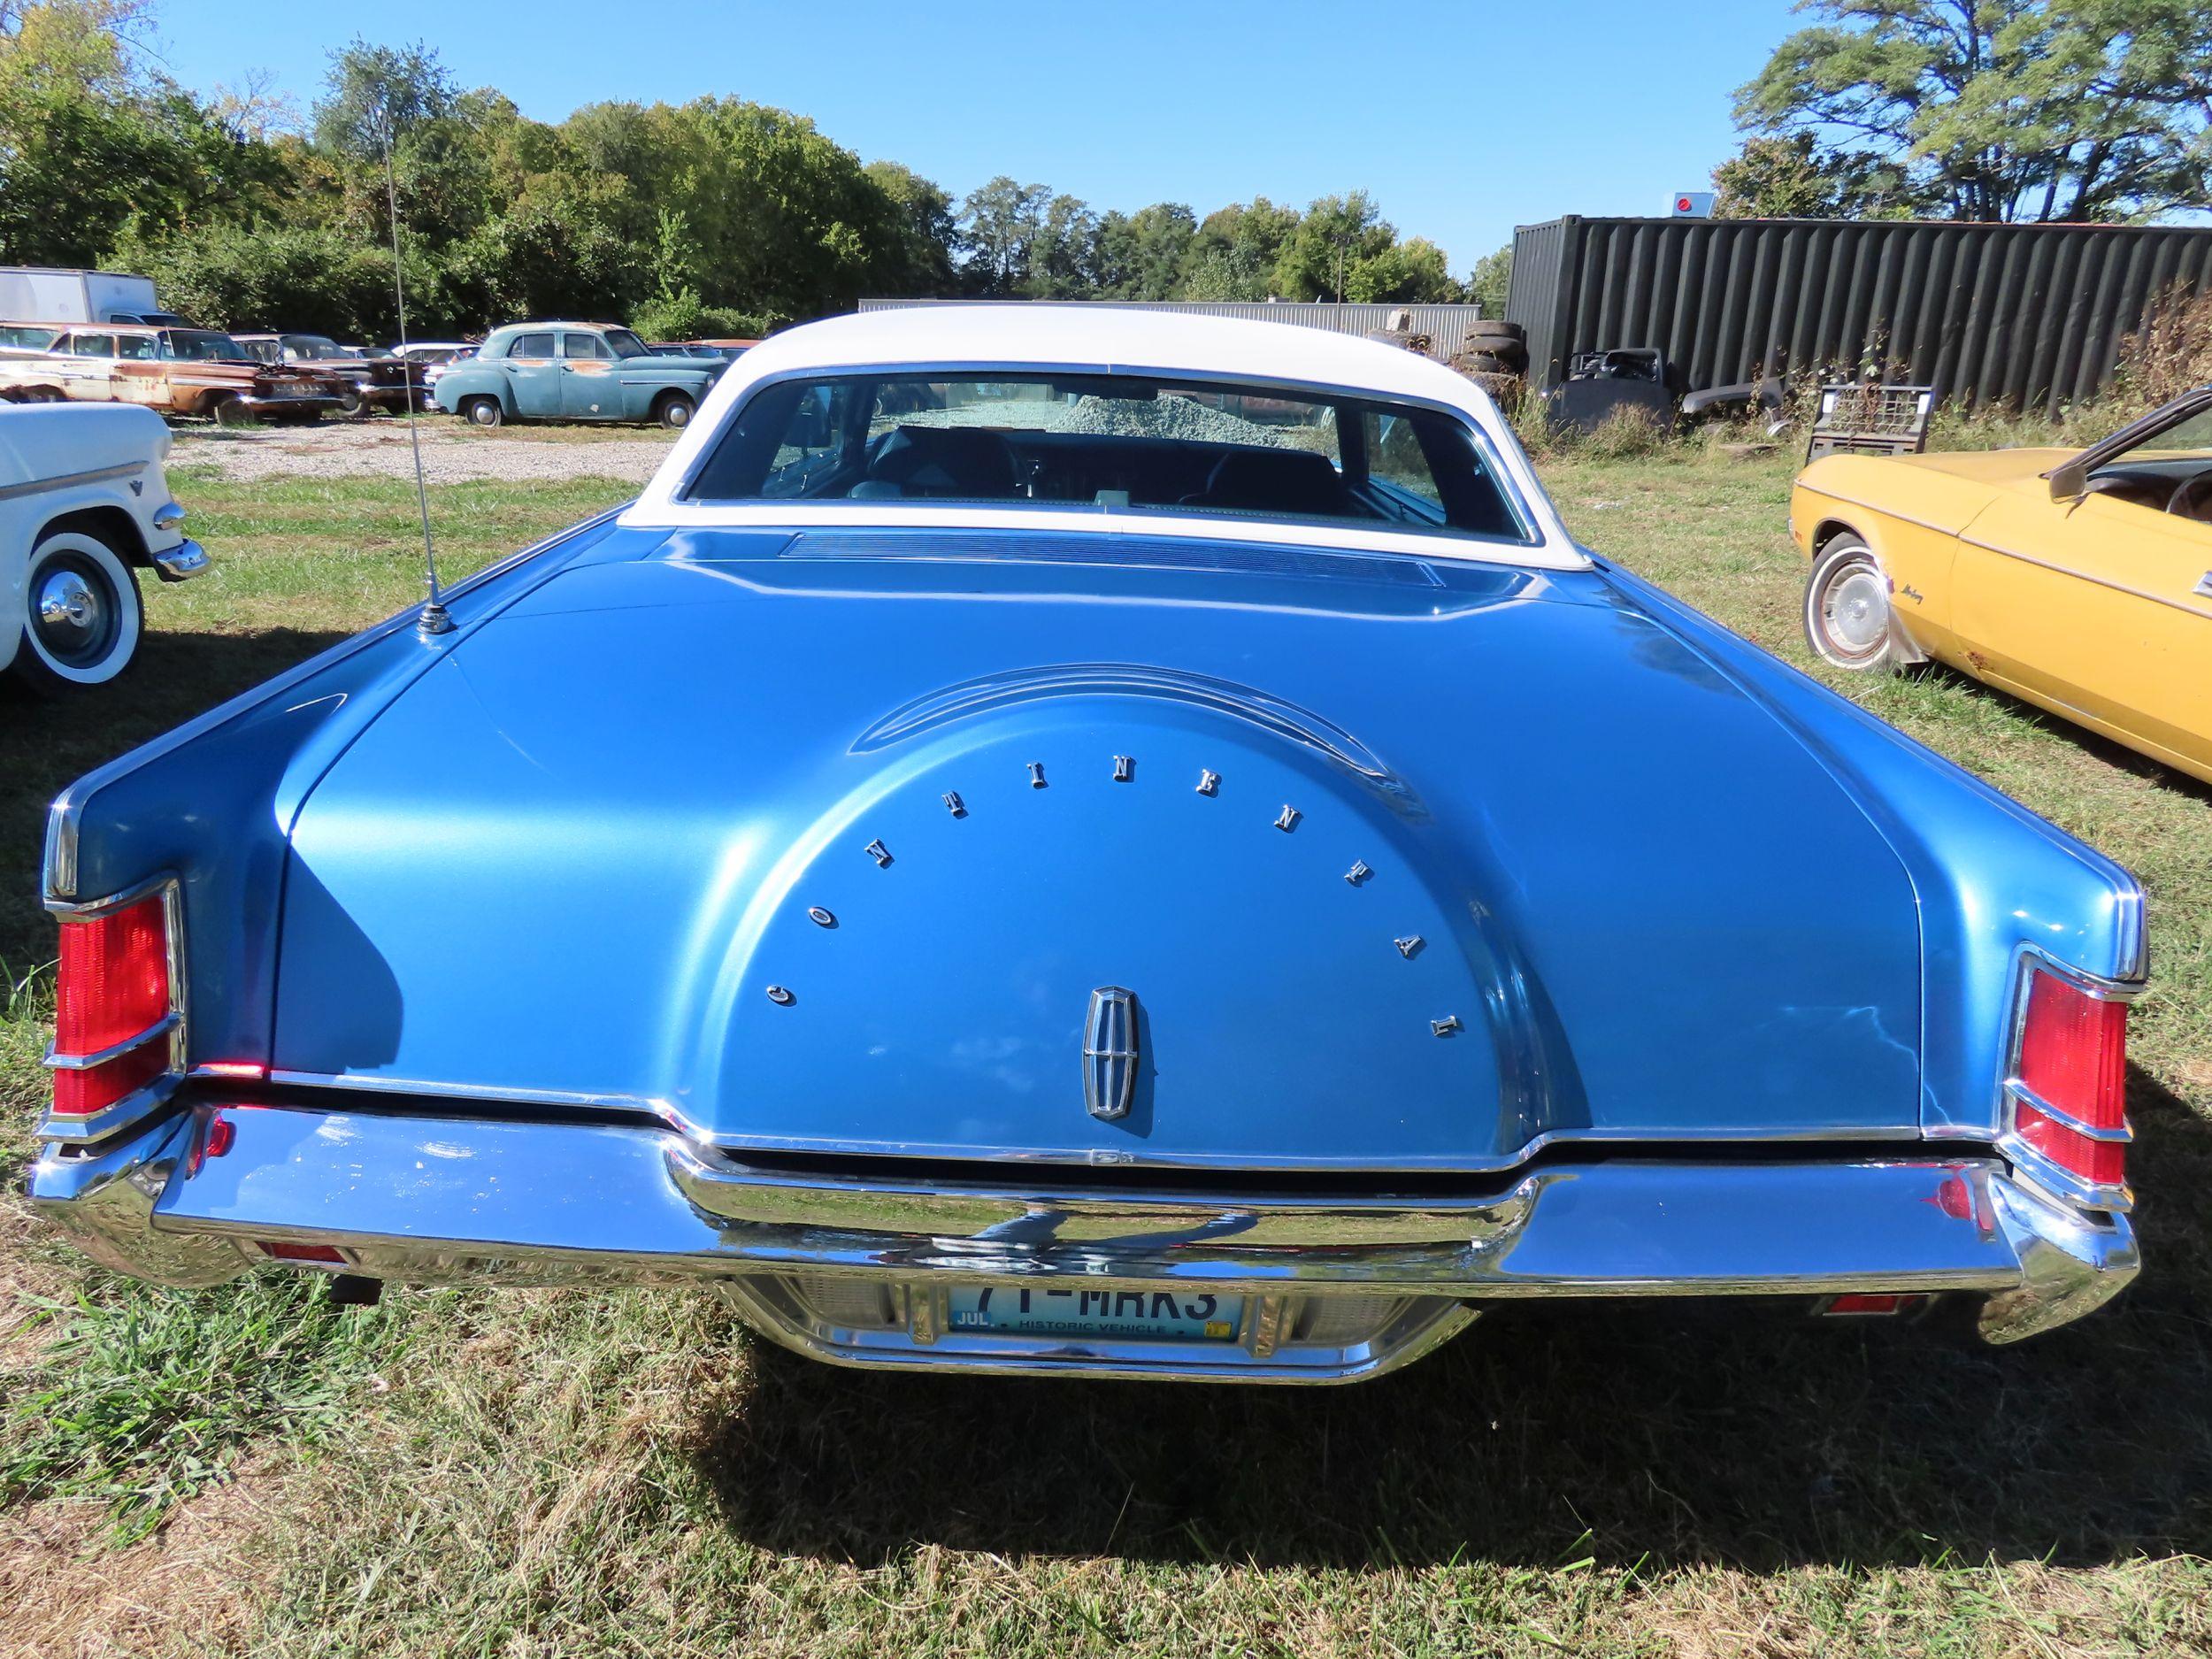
[[2203, 612], [70, 480], [1885, 512], [64, 817], [376, 1084]]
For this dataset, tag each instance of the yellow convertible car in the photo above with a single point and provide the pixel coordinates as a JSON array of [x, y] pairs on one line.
[[2080, 580]]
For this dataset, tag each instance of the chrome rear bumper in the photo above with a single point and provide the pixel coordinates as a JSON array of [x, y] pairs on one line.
[[854, 1268]]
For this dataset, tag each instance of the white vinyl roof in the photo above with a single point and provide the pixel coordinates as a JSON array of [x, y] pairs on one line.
[[1023, 335]]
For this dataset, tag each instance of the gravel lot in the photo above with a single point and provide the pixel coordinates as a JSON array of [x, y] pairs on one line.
[[450, 453]]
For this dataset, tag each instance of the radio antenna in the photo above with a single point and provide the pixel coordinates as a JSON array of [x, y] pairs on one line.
[[433, 620]]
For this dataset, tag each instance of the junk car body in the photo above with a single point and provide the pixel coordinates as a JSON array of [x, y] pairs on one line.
[[84, 506], [361, 381], [189, 371], [2080, 580], [573, 372], [1083, 841]]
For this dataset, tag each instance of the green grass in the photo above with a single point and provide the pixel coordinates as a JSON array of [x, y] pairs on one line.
[[572, 1473], [142, 1397]]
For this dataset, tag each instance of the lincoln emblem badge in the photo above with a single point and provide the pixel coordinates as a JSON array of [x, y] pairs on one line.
[[1110, 1052]]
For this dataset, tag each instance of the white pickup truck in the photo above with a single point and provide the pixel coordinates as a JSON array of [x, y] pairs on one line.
[[83, 506]]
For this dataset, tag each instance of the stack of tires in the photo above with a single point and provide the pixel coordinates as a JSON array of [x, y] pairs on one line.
[[1494, 356]]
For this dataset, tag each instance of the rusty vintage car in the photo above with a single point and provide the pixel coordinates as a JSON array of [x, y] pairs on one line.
[[195, 371], [365, 382]]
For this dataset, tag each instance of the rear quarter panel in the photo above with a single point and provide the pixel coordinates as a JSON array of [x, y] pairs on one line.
[[474, 378]]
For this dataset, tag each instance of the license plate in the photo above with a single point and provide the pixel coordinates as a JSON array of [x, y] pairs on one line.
[[1146, 1316]]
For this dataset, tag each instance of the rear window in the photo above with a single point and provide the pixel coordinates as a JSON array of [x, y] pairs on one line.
[[1125, 443]]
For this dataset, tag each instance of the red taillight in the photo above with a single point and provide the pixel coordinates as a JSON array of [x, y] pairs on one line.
[[80, 1094], [113, 982], [110, 989], [2073, 1062]]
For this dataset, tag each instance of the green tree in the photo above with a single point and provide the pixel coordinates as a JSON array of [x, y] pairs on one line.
[[1491, 280], [1414, 270], [999, 222], [1141, 256], [1998, 109], [1233, 255], [783, 220], [90, 143], [376, 95], [1788, 175], [1343, 249], [1063, 250], [1321, 255], [917, 258]]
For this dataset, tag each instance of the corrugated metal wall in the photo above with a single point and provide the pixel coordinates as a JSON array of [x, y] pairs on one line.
[[2024, 315], [1446, 326]]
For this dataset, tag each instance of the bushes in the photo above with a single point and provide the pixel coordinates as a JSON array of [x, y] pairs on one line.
[[682, 317], [2171, 354], [244, 277]]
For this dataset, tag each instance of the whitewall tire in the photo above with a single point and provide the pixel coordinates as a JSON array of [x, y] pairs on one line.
[[80, 614], [1848, 622]]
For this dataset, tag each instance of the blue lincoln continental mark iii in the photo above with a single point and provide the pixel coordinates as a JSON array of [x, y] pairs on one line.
[[1085, 842], [573, 372]]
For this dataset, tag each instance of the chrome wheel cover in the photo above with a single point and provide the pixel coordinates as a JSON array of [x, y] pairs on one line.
[[73, 614], [1855, 612]]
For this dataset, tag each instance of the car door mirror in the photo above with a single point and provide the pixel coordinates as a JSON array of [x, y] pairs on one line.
[[2069, 483]]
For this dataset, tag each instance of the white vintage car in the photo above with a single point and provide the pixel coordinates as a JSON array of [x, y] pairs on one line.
[[83, 504]]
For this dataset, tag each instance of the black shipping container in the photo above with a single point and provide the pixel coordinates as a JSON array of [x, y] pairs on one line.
[[2029, 316]]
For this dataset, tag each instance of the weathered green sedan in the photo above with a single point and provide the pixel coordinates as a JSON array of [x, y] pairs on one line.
[[573, 372]]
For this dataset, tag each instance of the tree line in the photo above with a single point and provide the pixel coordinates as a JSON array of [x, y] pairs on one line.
[[1993, 109], [721, 216], [718, 216]]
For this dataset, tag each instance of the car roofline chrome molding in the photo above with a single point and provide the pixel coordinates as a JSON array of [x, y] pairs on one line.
[[1544, 534], [64, 816]]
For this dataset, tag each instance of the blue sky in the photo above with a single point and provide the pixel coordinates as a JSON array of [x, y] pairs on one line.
[[1463, 120]]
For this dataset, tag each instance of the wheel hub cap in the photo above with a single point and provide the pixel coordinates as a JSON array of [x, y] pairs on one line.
[[1858, 612], [69, 617]]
